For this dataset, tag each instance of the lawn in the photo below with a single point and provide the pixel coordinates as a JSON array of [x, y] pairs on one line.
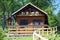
[[50, 37], [21, 38], [25, 38]]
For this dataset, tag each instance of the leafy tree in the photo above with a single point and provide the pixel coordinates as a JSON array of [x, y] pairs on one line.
[[2, 4], [58, 18], [52, 18], [7, 7], [43, 4]]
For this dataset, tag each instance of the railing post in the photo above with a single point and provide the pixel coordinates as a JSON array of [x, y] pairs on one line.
[[33, 35], [56, 28], [39, 31], [51, 30], [39, 36], [42, 30], [47, 31]]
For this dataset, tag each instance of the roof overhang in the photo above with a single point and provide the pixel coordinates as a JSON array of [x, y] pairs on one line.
[[27, 5]]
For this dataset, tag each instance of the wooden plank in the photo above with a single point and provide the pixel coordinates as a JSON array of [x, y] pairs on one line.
[[28, 30], [21, 32], [24, 32]]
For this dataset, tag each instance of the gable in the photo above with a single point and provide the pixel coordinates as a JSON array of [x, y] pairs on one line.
[[29, 7]]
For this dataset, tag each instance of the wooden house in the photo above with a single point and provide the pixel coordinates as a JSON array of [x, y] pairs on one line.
[[29, 18]]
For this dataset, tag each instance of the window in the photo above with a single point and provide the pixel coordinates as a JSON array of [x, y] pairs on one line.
[[36, 22], [32, 13], [23, 22], [27, 13], [36, 13], [22, 13]]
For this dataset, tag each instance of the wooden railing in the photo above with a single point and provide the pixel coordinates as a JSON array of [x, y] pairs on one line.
[[28, 26], [39, 34], [47, 30], [21, 30], [21, 27]]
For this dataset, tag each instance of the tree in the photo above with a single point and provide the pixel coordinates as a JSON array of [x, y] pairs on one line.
[[52, 18], [58, 18], [7, 7], [3, 13], [42, 4]]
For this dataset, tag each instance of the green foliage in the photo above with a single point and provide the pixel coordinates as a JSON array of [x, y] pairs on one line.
[[42, 4], [0, 23], [2, 35], [49, 37], [20, 38], [58, 18], [52, 20], [52, 36]]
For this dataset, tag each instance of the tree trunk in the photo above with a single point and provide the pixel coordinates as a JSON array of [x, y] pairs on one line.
[[4, 19]]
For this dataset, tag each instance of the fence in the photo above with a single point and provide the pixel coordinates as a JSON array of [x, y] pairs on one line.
[[38, 37], [39, 34]]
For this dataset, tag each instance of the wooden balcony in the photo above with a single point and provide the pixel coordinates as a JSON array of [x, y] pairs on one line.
[[23, 29], [26, 27]]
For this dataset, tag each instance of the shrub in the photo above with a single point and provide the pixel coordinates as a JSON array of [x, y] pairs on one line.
[[2, 34]]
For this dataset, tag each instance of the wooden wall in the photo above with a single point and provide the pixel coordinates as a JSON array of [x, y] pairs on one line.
[[30, 19]]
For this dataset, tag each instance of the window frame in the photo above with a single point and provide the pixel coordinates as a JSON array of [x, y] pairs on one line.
[[23, 22]]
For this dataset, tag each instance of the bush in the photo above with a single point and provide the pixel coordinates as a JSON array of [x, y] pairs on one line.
[[58, 28], [2, 34]]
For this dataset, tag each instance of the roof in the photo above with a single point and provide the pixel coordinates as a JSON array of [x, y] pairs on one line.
[[27, 5]]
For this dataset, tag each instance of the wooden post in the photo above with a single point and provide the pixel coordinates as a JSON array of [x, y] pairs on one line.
[[42, 30], [39, 31], [33, 36], [47, 31], [51, 30], [56, 28], [16, 30]]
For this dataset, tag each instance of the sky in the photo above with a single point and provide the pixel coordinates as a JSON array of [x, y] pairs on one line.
[[57, 7]]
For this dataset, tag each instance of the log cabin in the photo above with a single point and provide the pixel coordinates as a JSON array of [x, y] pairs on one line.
[[28, 18]]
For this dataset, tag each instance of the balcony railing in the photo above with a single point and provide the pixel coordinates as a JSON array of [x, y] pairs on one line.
[[29, 26]]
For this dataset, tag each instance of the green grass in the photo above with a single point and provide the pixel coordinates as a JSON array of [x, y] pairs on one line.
[[53, 36], [21, 38], [50, 37], [25, 38]]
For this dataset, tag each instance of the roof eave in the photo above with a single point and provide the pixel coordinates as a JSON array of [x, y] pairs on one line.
[[32, 5]]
